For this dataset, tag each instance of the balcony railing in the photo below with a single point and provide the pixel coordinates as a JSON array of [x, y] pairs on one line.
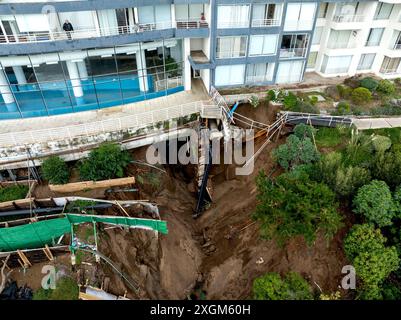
[[293, 53], [265, 22], [232, 24], [84, 33], [341, 45], [230, 54], [388, 71], [348, 18], [191, 24]]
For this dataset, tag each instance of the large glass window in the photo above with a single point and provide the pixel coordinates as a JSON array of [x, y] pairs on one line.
[[383, 10], [374, 37], [265, 15], [317, 35], [390, 65], [312, 60], [294, 45], [300, 16], [366, 61], [341, 39], [289, 71], [259, 72], [154, 17], [236, 16], [231, 47], [336, 64], [229, 75], [263, 44]]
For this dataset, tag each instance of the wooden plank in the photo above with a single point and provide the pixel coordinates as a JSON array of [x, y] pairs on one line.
[[79, 186], [24, 259], [48, 253], [85, 296]]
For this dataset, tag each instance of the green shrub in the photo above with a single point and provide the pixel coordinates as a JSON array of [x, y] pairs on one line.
[[387, 167], [254, 101], [373, 261], [369, 83], [271, 287], [13, 192], [290, 101], [313, 100], [304, 131], [361, 95], [271, 95], [295, 151], [104, 162], [293, 205], [386, 87], [66, 289], [397, 81], [375, 202], [55, 170], [343, 108], [344, 91], [381, 143]]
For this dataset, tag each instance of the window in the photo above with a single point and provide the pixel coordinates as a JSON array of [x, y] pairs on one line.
[[264, 15], [294, 45], [317, 35], [374, 37], [312, 60], [390, 65], [259, 72], [289, 71], [383, 10], [395, 43], [336, 64], [233, 16], [230, 75], [322, 10], [340, 39], [300, 16], [155, 17], [366, 61], [263, 44], [231, 47]]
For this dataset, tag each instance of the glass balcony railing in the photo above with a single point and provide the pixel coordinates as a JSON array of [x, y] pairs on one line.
[[265, 23], [292, 53], [348, 18]]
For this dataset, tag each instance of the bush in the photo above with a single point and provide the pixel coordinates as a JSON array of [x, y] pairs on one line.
[[66, 289], [293, 205], [313, 100], [375, 202], [55, 170], [304, 131], [104, 162], [381, 143], [343, 108], [386, 87], [271, 95], [353, 82], [271, 287], [295, 151], [387, 167], [344, 91], [290, 101], [361, 95], [373, 261], [369, 83], [254, 101], [13, 192]]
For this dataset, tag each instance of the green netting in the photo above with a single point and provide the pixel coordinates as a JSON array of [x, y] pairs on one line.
[[156, 225], [38, 234], [34, 235]]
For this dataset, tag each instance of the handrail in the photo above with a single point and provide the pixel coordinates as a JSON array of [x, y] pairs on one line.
[[348, 18], [265, 22]]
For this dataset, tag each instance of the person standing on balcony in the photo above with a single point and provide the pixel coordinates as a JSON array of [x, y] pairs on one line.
[[67, 27], [203, 18]]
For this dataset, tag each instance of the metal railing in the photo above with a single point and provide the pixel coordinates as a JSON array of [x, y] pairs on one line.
[[348, 18], [265, 22], [230, 54], [191, 24], [293, 52], [139, 120], [341, 45], [84, 33], [232, 24], [169, 83]]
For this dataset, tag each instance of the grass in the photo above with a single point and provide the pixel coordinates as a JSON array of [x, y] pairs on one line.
[[13, 192], [331, 137], [66, 289]]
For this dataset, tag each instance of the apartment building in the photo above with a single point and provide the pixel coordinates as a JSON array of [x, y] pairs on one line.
[[124, 51]]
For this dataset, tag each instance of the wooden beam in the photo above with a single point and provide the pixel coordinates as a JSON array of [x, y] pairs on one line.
[[48, 253], [24, 259]]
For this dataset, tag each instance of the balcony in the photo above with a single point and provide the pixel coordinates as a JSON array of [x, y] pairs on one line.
[[293, 53], [199, 60], [348, 18], [195, 28], [263, 23], [341, 45], [84, 33]]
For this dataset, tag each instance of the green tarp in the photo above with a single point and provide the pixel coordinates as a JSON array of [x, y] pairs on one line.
[[38, 234]]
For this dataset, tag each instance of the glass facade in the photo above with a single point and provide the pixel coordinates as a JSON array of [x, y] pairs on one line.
[[67, 82]]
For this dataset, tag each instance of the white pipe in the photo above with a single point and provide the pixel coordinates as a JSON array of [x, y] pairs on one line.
[[74, 77]]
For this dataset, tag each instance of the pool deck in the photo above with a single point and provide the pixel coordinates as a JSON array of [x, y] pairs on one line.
[[198, 93]]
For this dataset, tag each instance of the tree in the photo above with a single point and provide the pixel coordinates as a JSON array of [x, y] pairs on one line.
[[304, 131], [104, 162], [293, 205], [386, 86], [295, 151], [375, 202], [55, 170], [386, 166], [272, 287], [373, 261], [361, 95], [290, 101], [381, 143]]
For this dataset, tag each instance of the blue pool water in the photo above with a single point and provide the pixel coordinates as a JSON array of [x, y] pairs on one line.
[[35, 100]]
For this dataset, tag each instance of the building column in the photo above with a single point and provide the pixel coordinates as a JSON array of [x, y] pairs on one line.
[[83, 72], [75, 81], [20, 75], [6, 93], [187, 65], [142, 72]]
